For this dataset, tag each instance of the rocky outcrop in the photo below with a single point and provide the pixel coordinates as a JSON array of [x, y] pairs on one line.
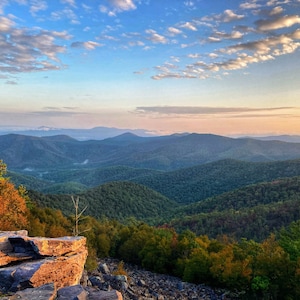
[[33, 262], [46, 269]]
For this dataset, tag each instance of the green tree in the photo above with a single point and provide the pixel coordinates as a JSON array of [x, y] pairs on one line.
[[274, 264], [3, 169], [289, 240], [157, 252]]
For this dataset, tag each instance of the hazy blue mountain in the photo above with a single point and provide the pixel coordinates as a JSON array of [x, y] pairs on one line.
[[166, 153], [96, 133], [283, 138]]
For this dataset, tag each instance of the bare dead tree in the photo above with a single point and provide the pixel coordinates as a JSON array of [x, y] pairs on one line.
[[78, 216]]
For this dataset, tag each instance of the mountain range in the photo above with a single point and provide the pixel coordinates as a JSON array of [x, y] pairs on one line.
[[102, 132], [165, 153], [96, 133]]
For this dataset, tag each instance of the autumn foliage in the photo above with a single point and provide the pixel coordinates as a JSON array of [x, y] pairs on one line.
[[13, 210]]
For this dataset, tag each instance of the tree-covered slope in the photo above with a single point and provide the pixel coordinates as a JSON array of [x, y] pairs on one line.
[[97, 176], [184, 186], [114, 200], [250, 212], [203, 181], [278, 190]]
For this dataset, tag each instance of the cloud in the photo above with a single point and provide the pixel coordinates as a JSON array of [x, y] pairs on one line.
[[250, 5], [270, 45], [117, 6], [189, 3], [277, 2], [156, 38], [66, 13], [189, 25], [37, 5], [202, 110], [218, 36], [280, 22], [234, 57], [6, 24], [174, 31], [229, 16], [11, 82], [69, 2], [276, 11], [123, 5], [57, 112], [25, 50], [89, 45], [193, 55]]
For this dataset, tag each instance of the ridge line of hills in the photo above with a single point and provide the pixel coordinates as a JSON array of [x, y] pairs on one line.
[[163, 153]]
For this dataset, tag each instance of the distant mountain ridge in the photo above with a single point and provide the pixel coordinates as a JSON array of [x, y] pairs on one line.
[[282, 138], [102, 132], [163, 153], [96, 133]]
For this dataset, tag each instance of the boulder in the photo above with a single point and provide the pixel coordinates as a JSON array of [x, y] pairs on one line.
[[52, 260], [44, 292], [75, 292], [95, 294], [50, 247], [6, 249]]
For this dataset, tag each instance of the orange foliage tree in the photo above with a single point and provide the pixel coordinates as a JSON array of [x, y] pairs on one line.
[[13, 210]]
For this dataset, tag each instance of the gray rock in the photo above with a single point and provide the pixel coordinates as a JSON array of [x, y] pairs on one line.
[[95, 294], [103, 268], [44, 292], [75, 292]]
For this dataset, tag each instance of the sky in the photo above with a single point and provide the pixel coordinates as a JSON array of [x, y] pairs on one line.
[[225, 67]]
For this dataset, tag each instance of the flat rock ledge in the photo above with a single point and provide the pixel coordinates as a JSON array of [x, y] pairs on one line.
[[45, 268]]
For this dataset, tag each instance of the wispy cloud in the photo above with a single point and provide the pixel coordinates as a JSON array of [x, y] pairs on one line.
[[203, 110], [69, 2], [89, 45], [116, 6], [37, 5], [57, 112], [250, 5], [156, 38], [189, 25], [280, 22]]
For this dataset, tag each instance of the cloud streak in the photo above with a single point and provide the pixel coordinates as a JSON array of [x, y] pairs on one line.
[[204, 110]]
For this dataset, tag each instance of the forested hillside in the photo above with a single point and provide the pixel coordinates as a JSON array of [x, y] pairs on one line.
[[250, 212], [184, 186], [200, 182], [114, 200]]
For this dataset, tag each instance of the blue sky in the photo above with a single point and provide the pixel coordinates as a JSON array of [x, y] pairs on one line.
[[224, 67]]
